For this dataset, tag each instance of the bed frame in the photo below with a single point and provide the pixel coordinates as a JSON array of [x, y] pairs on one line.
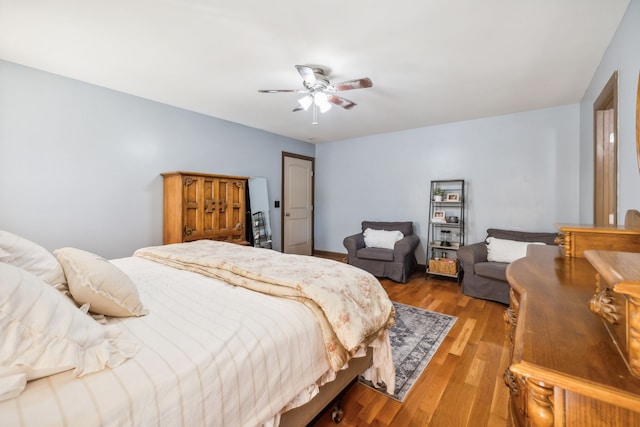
[[329, 393]]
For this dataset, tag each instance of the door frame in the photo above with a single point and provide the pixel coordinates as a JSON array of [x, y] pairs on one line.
[[608, 99], [286, 154]]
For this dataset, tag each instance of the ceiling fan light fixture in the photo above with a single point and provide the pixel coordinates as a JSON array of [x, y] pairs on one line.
[[321, 99], [305, 102]]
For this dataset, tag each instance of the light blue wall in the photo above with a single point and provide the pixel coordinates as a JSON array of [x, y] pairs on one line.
[[623, 55], [80, 165], [521, 170]]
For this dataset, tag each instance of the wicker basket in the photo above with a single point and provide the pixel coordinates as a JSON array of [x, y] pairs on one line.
[[443, 266]]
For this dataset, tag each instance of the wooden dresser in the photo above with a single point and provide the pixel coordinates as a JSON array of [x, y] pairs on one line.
[[204, 206], [574, 239], [565, 367]]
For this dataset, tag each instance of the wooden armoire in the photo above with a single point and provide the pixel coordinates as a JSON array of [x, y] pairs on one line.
[[204, 206]]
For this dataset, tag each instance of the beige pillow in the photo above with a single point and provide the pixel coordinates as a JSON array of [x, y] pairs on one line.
[[43, 333], [23, 253], [95, 281]]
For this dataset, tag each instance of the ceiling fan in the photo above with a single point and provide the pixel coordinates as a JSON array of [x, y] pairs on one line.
[[320, 93]]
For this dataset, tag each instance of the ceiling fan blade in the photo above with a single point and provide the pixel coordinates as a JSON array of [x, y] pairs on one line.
[[280, 91], [344, 103], [354, 84], [298, 108], [307, 73]]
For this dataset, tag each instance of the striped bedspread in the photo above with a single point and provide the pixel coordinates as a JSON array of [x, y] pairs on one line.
[[212, 354], [351, 306]]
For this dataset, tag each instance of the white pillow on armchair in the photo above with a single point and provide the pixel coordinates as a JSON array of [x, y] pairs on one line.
[[381, 238], [503, 250]]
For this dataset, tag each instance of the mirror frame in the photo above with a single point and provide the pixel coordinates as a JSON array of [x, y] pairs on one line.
[[638, 122], [259, 203]]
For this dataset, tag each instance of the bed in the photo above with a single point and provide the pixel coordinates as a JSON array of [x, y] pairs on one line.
[[202, 346]]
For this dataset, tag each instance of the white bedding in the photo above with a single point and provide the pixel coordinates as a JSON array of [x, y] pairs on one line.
[[350, 305], [271, 350]]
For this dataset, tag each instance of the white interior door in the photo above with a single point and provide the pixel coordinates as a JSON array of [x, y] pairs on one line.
[[298, 205]]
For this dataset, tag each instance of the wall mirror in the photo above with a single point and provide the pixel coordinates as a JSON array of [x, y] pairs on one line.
[[638, 122], [260, 221]]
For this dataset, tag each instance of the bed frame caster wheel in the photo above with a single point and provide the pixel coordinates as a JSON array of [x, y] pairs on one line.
[[337, 414]]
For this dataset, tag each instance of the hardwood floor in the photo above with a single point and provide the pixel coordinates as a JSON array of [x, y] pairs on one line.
[[462, 385]]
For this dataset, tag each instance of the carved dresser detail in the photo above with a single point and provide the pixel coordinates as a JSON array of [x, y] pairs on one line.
[[573, 240], [565, 369], [204, 206], [617, 301]]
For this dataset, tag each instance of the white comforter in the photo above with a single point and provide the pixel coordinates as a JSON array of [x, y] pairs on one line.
[[350, 305], [212, 354]]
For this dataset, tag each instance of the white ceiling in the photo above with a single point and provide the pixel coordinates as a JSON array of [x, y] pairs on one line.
[[431, 61]]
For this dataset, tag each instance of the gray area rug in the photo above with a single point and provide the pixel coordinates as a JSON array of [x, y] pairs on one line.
[[415, 338]]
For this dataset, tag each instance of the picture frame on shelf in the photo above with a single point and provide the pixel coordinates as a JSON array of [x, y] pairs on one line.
[[439, 216], [452, 197]]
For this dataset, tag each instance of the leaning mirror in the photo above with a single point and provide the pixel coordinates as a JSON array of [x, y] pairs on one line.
[[259, 204], [638, 122]]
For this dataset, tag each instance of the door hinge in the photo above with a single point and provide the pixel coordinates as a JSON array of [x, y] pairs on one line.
[[611, 219], [612, 138]]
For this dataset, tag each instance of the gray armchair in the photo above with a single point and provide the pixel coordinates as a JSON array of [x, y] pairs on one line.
[[397, 264], [487, 279]]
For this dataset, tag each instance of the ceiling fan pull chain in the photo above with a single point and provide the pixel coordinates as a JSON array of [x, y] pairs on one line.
[[315, 114]]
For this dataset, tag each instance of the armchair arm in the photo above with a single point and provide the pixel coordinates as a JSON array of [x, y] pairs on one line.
[[472, 254], [353, 243], [405, 246]]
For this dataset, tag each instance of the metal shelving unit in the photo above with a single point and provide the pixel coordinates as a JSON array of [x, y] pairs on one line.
[[446, 231], [260, 237]]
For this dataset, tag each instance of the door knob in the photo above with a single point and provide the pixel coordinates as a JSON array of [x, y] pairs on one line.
[[287, 214]]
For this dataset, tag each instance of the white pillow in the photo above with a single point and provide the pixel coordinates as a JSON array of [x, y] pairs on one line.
[[502, 250], [23, 253], [381, 238], [95, 281], [43, 333]]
